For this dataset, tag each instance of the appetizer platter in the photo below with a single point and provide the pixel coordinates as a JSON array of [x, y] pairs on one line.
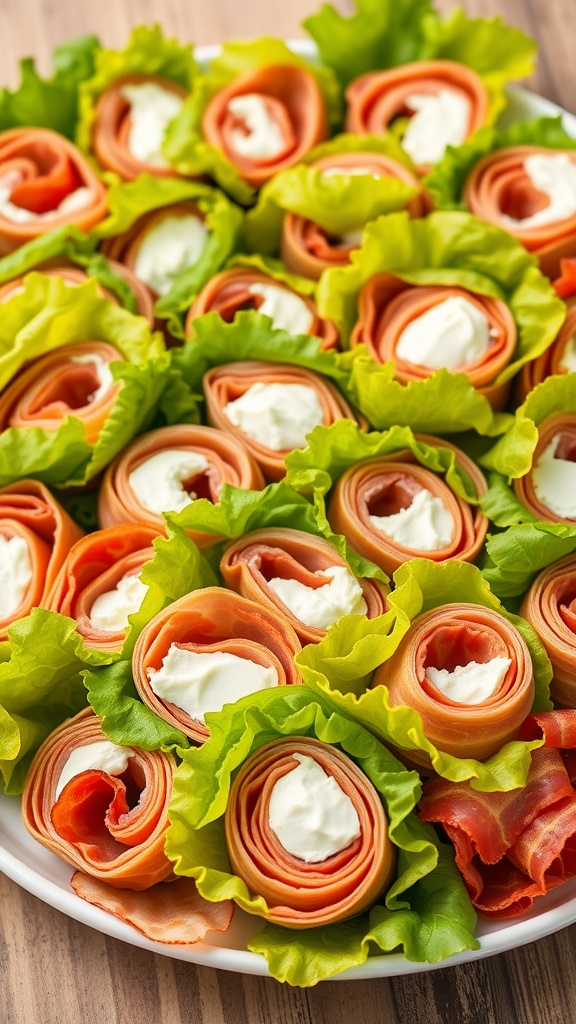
[[287, 495]]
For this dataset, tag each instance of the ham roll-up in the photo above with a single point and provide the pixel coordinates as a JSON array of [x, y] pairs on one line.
[[391, 509], [550, 608], [424, 328], [245, 288], [167, 469], [444, 104], [468, 673], [266, 120], [99, 583], [530, 192], [208, 649], [130, 121], [548, 490], [271, 407], [74, 380], [558, 359], [45, 183], [308, 249], [161, 245], [103, 808], [510, 847], [301, 576], [36, 535], [306, 830]]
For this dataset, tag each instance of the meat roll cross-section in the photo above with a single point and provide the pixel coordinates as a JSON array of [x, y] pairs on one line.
[[550, 607], [548, 490]]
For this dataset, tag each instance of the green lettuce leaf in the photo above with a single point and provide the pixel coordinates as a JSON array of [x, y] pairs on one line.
[[445, 183], [124, 718], [340, 666], [147, 52], [196, 842], [53, 102], [338, 203]]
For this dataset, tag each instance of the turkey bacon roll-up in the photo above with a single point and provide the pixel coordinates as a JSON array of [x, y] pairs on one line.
[[558, 359], [306, 830], [302, 576], [392, 509], [130, 121], [424, 328], [36, 535], [530, 191], [244, 288], [167, 469], [266, 120], [208, 649], [45, 183], [550, 608], [468, 673], [548, 490], [444, 104], [99, 583], [271, 407], [74, 380], [309, 250]]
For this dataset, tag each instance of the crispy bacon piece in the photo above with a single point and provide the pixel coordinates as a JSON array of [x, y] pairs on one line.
[[299, 894], [564, 426], [550, 607]]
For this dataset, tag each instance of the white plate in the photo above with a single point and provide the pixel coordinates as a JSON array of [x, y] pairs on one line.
[[47, 877]]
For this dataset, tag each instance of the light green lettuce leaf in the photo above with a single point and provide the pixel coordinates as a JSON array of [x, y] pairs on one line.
[[147, 52], [124, 718], [196, 842], [353, 650]]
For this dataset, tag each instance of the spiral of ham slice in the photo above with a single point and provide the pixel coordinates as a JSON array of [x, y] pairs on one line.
[[385, 485], [226, 383], [299, 894], [377, 98], [73, 275], [94, 566], [550, 607], [30, 512], [549, 363], [209, 621], [42, 169], [498, 187], [113, 829], [111, 128], [228, 462], [387, 306], [510, 847], [293, 100], [309, 250], [250, 562], [229, 291], [56, 386], [444, 638], [564, 425]]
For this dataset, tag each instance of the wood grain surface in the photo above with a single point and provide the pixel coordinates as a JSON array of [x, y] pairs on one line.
[[55, 971]]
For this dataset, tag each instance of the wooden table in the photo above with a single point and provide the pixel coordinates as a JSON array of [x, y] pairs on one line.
[[55, 971]]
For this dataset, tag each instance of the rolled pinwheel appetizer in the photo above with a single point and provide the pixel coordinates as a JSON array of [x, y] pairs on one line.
[[45, 183], [246, 288], [548, 490], [266, 120], [550, 608], [301, 576], [74, 380], [444, 103], [208, 649], [468, 673], [99, 584], [392, 509], [308, 249], [306, 830], [36, 535], [271, 407], [167, 469], [558, 359], [425, 328]]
